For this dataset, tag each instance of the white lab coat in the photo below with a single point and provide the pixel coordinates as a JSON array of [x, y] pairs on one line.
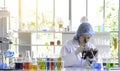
[[68, 54]]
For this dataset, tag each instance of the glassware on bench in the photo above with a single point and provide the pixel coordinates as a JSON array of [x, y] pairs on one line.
[[27, 60], [19, 62], [33, 65]]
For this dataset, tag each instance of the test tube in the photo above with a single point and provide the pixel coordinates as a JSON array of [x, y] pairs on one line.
[[59, 63], [43, 64], [52, 64], [48, 63], [39, 63]]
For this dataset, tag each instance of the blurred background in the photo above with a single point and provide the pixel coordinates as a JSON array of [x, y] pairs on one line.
[[40, 25]]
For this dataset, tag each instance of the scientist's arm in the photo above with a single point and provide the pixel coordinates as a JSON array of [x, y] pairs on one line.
[[70, 58], [78, 50]]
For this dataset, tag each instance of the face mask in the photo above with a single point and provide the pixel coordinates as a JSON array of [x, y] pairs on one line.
[[83, 40]]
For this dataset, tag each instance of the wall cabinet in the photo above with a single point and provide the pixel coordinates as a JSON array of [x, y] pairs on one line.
[[40, 43], [43, 44]]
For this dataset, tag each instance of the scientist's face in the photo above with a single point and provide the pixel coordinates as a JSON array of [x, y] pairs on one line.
[[84, 38]]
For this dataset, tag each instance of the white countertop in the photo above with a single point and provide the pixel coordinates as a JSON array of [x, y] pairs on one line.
[[75, 69], [87, 69]]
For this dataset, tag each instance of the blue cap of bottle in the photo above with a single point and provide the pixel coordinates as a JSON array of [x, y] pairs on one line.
[[9, 53], [97, 65]]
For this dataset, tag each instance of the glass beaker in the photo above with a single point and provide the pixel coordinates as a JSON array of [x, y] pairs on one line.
[[33, 65]]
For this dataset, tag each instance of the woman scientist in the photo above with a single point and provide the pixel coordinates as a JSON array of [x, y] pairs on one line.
[[72, 52]]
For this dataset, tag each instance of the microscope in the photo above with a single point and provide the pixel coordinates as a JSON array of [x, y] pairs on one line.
[[89, 53]]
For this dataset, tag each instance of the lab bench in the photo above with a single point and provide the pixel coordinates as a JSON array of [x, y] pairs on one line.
[[71, 69]]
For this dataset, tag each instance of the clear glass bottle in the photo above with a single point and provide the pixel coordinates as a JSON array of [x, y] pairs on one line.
[[33, 65], [19, 62], [3, 64], [27, 60], [98, 66]]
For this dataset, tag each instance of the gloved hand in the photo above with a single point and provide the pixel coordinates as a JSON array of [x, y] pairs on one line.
[[79, 49]]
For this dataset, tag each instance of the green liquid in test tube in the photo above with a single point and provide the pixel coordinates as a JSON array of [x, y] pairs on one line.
[[46, 43], [43, 65], [110, 65]]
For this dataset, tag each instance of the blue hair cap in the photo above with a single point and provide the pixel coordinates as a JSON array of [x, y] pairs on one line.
[[84, 28]]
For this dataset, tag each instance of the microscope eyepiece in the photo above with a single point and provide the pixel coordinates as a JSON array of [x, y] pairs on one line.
[[85, 40]]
